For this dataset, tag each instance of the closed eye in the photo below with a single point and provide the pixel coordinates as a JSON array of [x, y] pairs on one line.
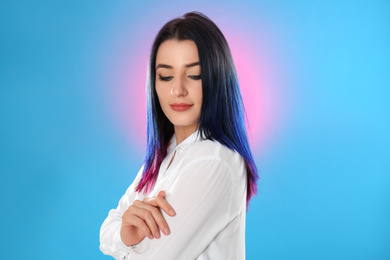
[[165, 78], [195, 77]]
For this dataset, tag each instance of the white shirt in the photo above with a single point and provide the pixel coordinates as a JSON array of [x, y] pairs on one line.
[[206, 186]]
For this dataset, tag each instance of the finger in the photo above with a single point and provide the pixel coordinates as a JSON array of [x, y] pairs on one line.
[[145, 213], [160, 202], [162, 194], [158, 217], [133, 220]]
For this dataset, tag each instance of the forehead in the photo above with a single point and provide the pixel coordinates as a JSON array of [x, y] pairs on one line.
[[177, 53]]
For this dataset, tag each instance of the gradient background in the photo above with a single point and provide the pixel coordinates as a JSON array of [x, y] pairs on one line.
[[315, 77]]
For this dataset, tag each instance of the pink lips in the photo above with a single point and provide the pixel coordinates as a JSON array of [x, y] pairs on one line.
[[180, 107]]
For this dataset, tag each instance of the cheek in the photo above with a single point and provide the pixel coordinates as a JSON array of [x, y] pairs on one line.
[[163, 97], [200, 95], [160, 92]]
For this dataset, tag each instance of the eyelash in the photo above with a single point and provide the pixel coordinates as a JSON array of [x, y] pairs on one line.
[[196, 77]]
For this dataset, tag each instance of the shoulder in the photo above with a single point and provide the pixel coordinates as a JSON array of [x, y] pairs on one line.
[[213, 152], [215, 164]]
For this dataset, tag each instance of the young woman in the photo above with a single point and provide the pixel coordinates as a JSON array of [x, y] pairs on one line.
[[189, 199]]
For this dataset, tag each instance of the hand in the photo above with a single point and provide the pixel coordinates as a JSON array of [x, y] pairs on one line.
[[144, 218]]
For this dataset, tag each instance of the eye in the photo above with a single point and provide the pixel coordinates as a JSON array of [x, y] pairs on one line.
[[165, 78], [195, 77]]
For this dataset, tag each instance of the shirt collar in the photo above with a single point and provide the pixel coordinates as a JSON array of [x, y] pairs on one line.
[[185, 144]]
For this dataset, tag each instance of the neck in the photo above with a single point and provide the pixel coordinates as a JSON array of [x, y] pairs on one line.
[[182, 132]]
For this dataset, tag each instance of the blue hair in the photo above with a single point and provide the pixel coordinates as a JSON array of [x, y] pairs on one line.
[[223, 114]]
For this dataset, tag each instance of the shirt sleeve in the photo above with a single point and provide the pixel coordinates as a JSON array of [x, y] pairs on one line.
[[110, 240], [204, 196]]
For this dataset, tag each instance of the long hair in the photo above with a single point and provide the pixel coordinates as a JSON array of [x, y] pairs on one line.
[[222, 112]]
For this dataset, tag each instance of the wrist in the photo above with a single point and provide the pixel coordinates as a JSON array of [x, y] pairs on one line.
[[130, 236]]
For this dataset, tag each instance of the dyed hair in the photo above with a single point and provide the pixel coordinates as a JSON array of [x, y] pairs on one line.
[[222, 112]]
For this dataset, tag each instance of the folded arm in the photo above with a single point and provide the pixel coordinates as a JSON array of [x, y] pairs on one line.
[[202, 197]]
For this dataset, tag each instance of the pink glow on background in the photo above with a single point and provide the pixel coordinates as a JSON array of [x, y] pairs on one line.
[[257, 82], [255, 75]]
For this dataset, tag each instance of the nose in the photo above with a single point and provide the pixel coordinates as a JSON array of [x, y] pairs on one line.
[[178, 88]]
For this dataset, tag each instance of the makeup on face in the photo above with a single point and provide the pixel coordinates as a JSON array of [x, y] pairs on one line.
[[179, 84], [179, 107], [166, 72]]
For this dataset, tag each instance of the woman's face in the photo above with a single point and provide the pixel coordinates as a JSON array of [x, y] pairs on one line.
[[178, 83]]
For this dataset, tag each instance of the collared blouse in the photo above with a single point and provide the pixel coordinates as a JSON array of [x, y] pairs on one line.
[[206, 186]]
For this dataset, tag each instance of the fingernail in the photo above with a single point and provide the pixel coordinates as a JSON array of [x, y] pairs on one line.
[[166, 231], [172, 212], [150, 236], [157, 235]]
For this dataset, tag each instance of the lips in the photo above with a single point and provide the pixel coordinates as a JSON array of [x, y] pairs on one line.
[[180, 107]]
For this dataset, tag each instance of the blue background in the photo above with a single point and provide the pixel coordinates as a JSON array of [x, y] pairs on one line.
[[65, 161]]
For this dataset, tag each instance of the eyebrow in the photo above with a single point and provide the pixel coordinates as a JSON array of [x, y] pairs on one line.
[[170, 67]]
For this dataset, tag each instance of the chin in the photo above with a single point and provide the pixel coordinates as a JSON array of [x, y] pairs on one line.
[[182, 120], [183, 124]]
